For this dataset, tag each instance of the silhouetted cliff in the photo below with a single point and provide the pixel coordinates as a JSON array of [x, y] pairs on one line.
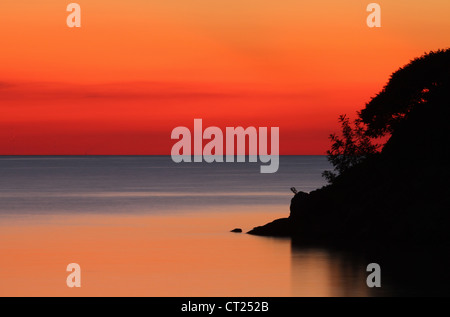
[[402, 194]]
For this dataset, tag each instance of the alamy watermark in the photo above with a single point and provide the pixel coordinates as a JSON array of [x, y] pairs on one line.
[[74, 18], [235, 145], [74, 278], [374, 278]]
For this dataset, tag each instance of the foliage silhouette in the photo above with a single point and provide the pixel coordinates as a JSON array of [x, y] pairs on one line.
[[349, 149], [424, 82], [395, 195]]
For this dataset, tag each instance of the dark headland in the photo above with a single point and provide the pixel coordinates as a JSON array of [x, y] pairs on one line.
[[399, 194]]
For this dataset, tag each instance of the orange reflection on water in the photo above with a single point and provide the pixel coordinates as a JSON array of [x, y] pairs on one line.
[[180, 255], [157, 255]]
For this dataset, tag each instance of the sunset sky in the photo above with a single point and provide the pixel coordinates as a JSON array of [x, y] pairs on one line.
[[136, 69]]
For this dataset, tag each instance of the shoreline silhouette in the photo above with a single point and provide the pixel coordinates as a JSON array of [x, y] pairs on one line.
[[398, 194]]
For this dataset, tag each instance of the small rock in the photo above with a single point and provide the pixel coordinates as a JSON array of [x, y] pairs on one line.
[[236, 230]]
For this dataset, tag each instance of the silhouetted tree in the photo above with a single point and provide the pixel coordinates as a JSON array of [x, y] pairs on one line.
[[424, 82], [349, 149], [423, 79]]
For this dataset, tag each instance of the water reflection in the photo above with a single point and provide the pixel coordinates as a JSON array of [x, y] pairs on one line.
[[405, 271], [319, 272]]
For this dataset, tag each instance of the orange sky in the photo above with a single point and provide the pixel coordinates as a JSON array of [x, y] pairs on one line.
[[137, 69]]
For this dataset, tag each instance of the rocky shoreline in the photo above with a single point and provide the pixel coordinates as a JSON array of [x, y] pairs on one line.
[[399, 195]]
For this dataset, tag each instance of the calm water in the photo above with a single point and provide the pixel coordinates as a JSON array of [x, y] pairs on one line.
[[145, 226], [45, 185]]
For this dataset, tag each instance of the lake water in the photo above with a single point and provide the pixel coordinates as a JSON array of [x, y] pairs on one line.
[[145, 226]]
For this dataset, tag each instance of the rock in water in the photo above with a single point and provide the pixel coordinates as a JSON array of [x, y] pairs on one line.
[[237, 230]]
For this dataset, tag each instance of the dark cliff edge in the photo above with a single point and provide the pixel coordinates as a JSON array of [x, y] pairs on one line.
[[400, 195]]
